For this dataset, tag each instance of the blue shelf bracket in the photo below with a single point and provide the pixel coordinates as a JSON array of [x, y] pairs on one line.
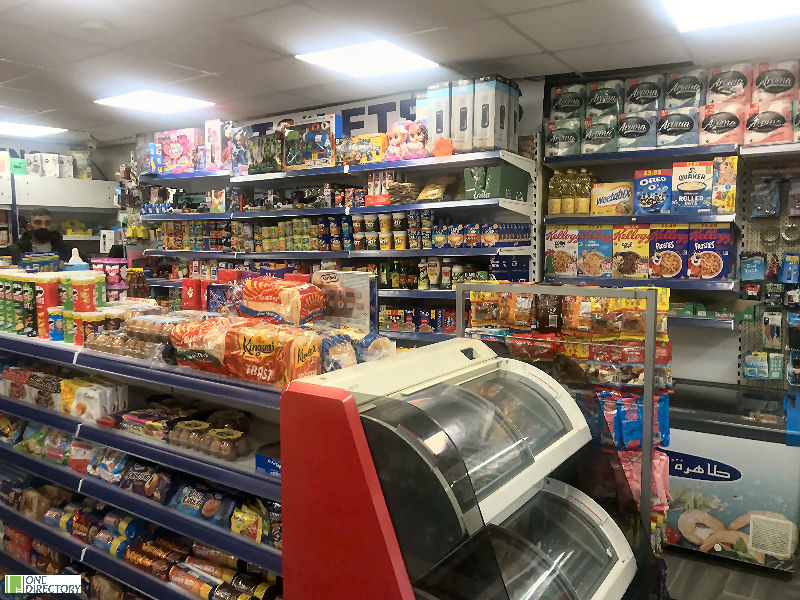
[[791, 405]]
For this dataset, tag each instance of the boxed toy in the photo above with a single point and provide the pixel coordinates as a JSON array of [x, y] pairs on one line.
[[730, 83], [631, 251], [309, 143], [709, 245], [644, 93], [652, 191], [604, 97], [637, 131], [612, 198], [595, 250], [154, 151], [724, 191], [692, 184], [462, 101], [179, 149], [366, 148], [769, 123], [492, 115], [563, 137], [775, 81], [568, 101], [678, 127], [561, 250], [50, 164], [218, 156], [65, 165], [686, 88], [33, 164], [668, 250], [599, 134], [722, 123], [83, 163], [236, 148], [264, 153]]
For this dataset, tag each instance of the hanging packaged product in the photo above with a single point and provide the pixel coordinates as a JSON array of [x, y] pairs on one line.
[[765, 198], [724, 191], [752, 266], [771, 334], [637, 131]]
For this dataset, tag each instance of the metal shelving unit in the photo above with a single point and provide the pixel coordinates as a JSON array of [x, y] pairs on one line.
[[417, 336], [730, 285], [770, 150], [189, 254], [640, 156], [178, 216], [493, 251], [427, 294], [293, 255], [219, 177], [615, 219]]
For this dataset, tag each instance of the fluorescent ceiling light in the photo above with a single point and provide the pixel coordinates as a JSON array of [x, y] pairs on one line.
[[22, 130], [369, 59], [154, 102], [693, 15]]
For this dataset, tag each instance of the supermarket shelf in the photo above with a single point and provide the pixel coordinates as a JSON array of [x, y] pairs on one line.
[[166, 178], [518, 206], [493, 251], [278, 175], [178, 216], [81, 238], [38, 348], [731, 285], [292, 255], [63, 476], [727, 324], [603, 219], [770, 150], [640, 156], [279, 213], [15, 567], [433, 294], [52, 537], [188, 254], [40, 415], [358, 210], [165, 283], [416, 336]]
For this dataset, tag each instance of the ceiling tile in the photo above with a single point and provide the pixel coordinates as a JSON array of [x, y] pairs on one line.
[[623, 55], [33, 46], [8, 113], [11, 70], [593, 22], [209, 10], [282, 74], [754, 41], [211, 87], [491, 38], [342, 92], [252, 109], [505, 7], [528, 65], [114, 132], [13, 98]]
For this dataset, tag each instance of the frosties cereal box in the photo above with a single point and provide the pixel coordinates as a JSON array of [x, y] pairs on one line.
[[561, 251], [631, 246], [773, 81], [722, 123], [595, 250], [769, 123], [668, 249], [730, 83], [709, 245]]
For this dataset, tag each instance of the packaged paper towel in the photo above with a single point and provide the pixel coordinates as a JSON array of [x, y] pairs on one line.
[[568, 101], [796, 120], [562, 137], [678, 127], [599, 134], [604, 97], [730, 83], [686, 88], [774, 81], [722, 124], [768, 123], [644, 93], [637, 131]]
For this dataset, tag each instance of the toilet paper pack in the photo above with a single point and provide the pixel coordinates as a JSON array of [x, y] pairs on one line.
[[796, 120], [563, 137], [722, 123], [774, 81], [604, 97], [768, 123], [686, 88], [678, 127], [644, 93], [568, 101], [730, 83], [637, 131], [599, 134]]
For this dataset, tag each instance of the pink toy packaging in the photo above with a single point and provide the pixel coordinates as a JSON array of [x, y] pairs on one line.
[[775, 81], [218, 155], [181, 150], [398, 140]]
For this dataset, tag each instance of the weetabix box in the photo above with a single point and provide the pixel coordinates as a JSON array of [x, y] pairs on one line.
[[769, 123], [612, 198], [631, 246], [561, 250], [595, 250], [668, 250], [709, 247], [692, 185], [722, 123]]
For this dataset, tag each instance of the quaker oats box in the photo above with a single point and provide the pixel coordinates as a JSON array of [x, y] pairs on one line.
[[652, 192], [568, 101], [563, 137], [669, 243], [644, 93], [768, 123], [599, 134], [595, 250], [709, 246], [730, 83], [637, 131], [774, 81], [692, 184], [604, 97], [561, 250], [678, 127], [686, 88], [722, 123], [631, 245]]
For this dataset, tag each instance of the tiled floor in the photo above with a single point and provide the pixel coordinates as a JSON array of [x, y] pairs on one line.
[[691, 576]]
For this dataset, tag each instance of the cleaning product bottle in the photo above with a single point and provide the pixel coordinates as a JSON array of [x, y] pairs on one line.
[[583, 199], [568, 193], [554, 196], [75, 262]]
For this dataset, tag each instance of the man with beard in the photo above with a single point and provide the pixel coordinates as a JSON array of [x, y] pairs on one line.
[[39, 237]]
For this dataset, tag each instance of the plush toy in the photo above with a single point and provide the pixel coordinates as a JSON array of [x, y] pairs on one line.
[[398, 138], [417, 146]]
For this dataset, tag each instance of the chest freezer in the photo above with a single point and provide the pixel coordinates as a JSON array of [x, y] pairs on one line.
[[463, 441]]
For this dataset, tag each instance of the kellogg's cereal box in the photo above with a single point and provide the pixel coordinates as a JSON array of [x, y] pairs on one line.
[[722, 123], [730, 83], [709, 244], [652, 191], [612, 198], [631, 247], [668, 250], [769, 123], [595, 250], [692, 183], [724, 192], [561, 251], [775, 81]]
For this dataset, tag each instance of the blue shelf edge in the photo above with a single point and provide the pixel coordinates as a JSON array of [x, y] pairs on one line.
[[63, 476], [357, 210], [602, 219], [730, 285], [156, 177], [186, 217], [53, 537], [164, 283], [279, 213], [417, 336], [36, 348], [40, 415], [492, 251], [292, 254], [432, 294], [642, 155], [198, 254]]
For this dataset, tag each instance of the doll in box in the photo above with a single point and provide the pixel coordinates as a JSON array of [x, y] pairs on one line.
[[417, 146], [398, 138]]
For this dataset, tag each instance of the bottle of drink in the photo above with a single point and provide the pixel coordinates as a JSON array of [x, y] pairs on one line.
[[395, 276], [568, 193], [583, 199], [422, 282], [554, 196]]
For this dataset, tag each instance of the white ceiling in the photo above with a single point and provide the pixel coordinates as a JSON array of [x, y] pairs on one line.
[[56, 56]]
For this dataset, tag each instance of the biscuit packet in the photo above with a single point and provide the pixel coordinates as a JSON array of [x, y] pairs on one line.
[[247, 523]]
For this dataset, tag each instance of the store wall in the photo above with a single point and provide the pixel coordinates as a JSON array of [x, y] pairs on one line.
[[107, 160]]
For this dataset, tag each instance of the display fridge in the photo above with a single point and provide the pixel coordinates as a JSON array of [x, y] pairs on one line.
[[426, 475]]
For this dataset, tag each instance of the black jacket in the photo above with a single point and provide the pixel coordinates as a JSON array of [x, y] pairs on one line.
[[25, 244]]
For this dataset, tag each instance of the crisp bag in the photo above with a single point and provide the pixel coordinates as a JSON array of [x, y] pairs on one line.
[[259, 351], [281, 301], [201, 345]]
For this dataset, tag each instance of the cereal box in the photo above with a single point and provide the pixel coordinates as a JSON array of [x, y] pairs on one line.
[[561, 251], [568, 101], [678, 127], [644, 93], [668, 250], [774, 81], [652, 191], [722, 123], [631, 247], [604, 97], [730, 83], [595, 250], [563, 137], [769, 123], [723, 196], [637, 131], [686, 88], [612, 198], [709, 244], [692, 184], [599, 134]]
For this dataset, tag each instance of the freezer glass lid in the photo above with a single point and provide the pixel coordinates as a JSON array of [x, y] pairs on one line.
[[532, 414], [574, 545]]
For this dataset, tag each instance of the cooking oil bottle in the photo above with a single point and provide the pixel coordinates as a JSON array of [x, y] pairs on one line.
[[554, 195], [568, 193], [583, 198]]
